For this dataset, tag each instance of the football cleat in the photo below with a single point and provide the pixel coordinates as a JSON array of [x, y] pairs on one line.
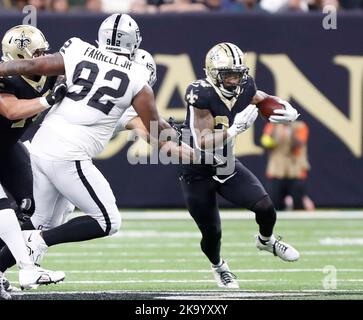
[[7, 285], [278, 248], [224, 277], [31, 278], [4, 295], [35, 245]]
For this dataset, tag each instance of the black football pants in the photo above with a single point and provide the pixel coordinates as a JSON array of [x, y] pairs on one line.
[[243, 190]]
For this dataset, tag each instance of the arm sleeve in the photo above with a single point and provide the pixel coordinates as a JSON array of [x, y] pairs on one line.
[[70, 50]]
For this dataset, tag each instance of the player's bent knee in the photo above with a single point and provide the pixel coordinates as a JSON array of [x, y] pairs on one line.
[[115, 223], [264, 205]]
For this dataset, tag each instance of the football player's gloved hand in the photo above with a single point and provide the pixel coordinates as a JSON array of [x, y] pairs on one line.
[[178, 129], [243, 120], [287, 115], [56, 95]]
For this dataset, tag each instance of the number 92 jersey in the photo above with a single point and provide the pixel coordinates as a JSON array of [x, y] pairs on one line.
[[101, 86]]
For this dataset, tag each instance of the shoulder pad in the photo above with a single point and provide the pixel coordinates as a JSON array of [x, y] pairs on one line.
[[197, 94], [70, 42]]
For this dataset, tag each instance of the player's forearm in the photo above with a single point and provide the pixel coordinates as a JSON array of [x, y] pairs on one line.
[[19, 67], [182, 152], [21, 109], [49, 66], [215, 140]]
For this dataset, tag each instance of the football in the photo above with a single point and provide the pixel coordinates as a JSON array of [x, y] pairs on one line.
[[267, 106]]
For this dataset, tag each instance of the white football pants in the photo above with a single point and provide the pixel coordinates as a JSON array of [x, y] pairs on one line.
[[56, 183]]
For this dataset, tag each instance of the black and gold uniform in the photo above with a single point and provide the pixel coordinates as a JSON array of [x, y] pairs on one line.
[[15, 170], [202, 182]]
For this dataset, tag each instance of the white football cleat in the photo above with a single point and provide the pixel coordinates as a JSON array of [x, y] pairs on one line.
[[4, 295], [278, 248], [31, 278], [224, 277], [35, 245]]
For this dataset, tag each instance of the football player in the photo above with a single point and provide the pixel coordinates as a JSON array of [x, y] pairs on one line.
[[102, 82], [220, 107], [21, 100], [17, 94]]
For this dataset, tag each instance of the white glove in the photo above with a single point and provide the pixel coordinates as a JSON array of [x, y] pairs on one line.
[[243, 120], [287, 115]]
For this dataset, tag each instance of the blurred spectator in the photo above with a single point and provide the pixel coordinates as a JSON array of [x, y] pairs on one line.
[[178, 5], [39, 4], [213, 5], [60, 6], [116, 6], [320, 4], [241, 5], [5, 4], [142, 6], [93, 5], [288, 164], [274, 6]]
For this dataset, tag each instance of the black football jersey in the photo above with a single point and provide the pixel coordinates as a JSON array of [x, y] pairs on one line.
[[22, 88], [203, 95]]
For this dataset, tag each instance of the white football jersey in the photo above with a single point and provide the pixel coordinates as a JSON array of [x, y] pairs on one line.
[[101, 86]]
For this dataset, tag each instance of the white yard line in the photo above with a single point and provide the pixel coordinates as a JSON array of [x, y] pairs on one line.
[[236, 214]]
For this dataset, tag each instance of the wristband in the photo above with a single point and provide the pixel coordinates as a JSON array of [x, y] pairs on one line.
[[43, 101]]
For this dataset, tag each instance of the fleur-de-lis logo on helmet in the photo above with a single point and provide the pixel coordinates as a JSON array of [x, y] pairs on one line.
[[23, 41]]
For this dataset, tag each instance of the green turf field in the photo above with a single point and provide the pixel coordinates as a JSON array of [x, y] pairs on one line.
[[160, 255]]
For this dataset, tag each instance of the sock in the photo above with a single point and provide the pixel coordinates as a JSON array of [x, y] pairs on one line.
[[27, 225], [6, 259], [218, 264], [77, 229], [10, 233]]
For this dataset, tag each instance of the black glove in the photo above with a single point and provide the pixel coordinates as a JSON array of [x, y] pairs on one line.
[[25, 210], [177, 127], [58, 93]]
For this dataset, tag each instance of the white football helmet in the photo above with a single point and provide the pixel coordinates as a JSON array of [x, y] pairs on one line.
[[119, 33], [223, 60], [145, 59], [23, 42]]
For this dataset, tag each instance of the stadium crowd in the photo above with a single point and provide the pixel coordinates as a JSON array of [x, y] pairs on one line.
[[160, 6]]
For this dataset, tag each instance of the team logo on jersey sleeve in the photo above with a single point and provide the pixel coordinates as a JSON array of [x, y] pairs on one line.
[[23, 41], [191, 97]]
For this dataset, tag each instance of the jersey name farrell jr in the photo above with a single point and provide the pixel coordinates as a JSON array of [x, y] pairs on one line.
[[98, 55]]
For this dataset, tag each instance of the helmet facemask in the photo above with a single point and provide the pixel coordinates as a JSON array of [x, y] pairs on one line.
[[233, 88]]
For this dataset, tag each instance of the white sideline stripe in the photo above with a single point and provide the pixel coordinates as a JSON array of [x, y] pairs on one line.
[[236, 214], [190, 245], [341, 241], [194, 254], [122, 262], [200, 271]]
